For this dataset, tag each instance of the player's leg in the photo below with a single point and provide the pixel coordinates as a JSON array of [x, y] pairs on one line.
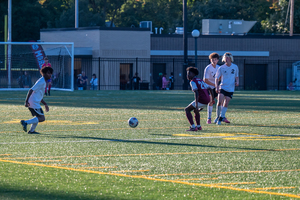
[[210, 106], [38, 116], [49, 87], [219, 104], [197, 115], [188, 110], [224, 109], [46, 88]]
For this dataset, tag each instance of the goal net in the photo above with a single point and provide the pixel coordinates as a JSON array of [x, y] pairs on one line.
[[20, 63]]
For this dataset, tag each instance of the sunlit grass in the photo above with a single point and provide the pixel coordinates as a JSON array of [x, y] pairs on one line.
[[86, 150]]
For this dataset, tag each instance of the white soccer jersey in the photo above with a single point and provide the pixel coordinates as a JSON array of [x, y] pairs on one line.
[[210, 73], [37, 94], [228, 75]]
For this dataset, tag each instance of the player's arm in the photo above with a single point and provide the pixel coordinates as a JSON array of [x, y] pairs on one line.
[[27, 98], [45, 104], [208, 82], [237, 81], [196, 93]]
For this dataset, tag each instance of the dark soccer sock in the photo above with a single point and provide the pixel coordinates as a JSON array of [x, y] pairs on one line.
[[197, 118], [189, 117], [49, 88], [46, 90]]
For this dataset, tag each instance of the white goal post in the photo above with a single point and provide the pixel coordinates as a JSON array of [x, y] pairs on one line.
[[20, 63]]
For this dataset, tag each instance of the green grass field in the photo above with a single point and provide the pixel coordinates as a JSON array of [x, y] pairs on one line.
[[86, 150]]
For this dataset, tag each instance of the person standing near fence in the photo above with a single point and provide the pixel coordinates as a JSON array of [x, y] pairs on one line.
[[94, 82], [229, 74], [209, 78], [136, 81], [171, 81], [49, 83], [84, 80], [165, 83]]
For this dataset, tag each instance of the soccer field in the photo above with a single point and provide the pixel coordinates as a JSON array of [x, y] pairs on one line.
[[86, 150]]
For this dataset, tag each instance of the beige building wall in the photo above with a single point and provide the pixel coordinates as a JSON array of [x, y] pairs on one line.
[[108, 43]]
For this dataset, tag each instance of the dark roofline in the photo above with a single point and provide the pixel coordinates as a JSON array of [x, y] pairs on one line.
[[258, 36], [96, 28]]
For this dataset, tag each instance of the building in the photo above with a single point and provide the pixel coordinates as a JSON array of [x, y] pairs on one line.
[[265, 62]]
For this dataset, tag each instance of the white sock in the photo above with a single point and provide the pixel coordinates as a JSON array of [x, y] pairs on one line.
[[198, 126], [218, 111], [209, 111], [193, 126], [223, 112], [33, 126], [32, 121]]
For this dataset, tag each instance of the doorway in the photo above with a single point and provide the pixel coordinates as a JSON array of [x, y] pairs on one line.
[[125, 76], [157, 68], [255, 76]]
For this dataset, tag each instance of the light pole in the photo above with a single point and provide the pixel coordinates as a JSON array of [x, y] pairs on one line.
[[195, 34]]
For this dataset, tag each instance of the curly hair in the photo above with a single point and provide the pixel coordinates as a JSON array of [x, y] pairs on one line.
[[193, 69], [214, 55], [44, 70]]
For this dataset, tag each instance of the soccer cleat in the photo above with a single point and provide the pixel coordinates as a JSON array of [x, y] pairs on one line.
[[208, 121], [216, 120], [24, 124], [192, 129], [45, 93], [220, 120], [199, 128], [33, 132], [225, 120]]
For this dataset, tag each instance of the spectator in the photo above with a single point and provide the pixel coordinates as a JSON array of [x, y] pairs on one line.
[[136, 81], [159, 82], [291, 86], [20, 80], [94, 82], [26, 79], [84, 80], [80, 82], [165, 83], [171, 80]]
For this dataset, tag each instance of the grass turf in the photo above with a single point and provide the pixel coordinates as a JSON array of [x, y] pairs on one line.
[[86, 150]]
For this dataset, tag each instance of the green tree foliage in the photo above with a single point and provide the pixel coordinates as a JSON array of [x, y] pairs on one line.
[[29, 16]]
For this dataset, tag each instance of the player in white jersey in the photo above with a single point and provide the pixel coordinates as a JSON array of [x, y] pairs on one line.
[[209, 78], [33, 100], [229, 74]]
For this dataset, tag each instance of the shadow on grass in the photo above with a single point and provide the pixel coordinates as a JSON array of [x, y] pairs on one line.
[[6, 192], [161, 143]]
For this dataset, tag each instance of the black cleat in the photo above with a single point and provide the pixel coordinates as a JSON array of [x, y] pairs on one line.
[[24, 124], [33, 132], [45, 93]]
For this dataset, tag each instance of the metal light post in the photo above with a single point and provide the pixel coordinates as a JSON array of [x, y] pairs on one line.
[[195, 34]]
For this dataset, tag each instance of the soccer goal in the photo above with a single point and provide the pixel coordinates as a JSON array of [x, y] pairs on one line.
[[20, 63]]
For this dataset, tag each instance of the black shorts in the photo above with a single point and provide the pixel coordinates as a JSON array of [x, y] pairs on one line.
[[226, 94], [36, 111], [214, 93]]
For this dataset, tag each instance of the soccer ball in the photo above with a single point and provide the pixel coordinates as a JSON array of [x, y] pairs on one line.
[[133, 122]]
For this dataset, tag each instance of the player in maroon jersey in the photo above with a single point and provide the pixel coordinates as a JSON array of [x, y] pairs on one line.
[[202, 98]]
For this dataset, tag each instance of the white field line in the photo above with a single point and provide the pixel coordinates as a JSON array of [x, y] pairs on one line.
[[124, 140]]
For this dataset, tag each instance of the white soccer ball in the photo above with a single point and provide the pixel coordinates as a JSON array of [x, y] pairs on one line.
[[133, 122]]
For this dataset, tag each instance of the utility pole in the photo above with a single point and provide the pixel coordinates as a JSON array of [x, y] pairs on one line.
[[185, 59], [292, 18], [76, 14]]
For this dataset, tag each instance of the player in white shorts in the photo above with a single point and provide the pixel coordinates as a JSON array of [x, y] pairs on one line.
[[33, 100], [209, 78], [229, 74]]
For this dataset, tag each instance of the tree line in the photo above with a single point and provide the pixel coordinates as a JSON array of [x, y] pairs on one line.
[[29, 16]]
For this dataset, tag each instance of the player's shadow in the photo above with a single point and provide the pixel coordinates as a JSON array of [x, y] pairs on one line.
[[160, 143]]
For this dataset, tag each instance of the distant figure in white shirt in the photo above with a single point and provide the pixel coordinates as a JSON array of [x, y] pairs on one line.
[[209, 78], [94, 82], [229, 74], [34, 98]]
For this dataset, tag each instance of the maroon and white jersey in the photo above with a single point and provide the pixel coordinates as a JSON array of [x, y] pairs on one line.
[[201, 86]]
